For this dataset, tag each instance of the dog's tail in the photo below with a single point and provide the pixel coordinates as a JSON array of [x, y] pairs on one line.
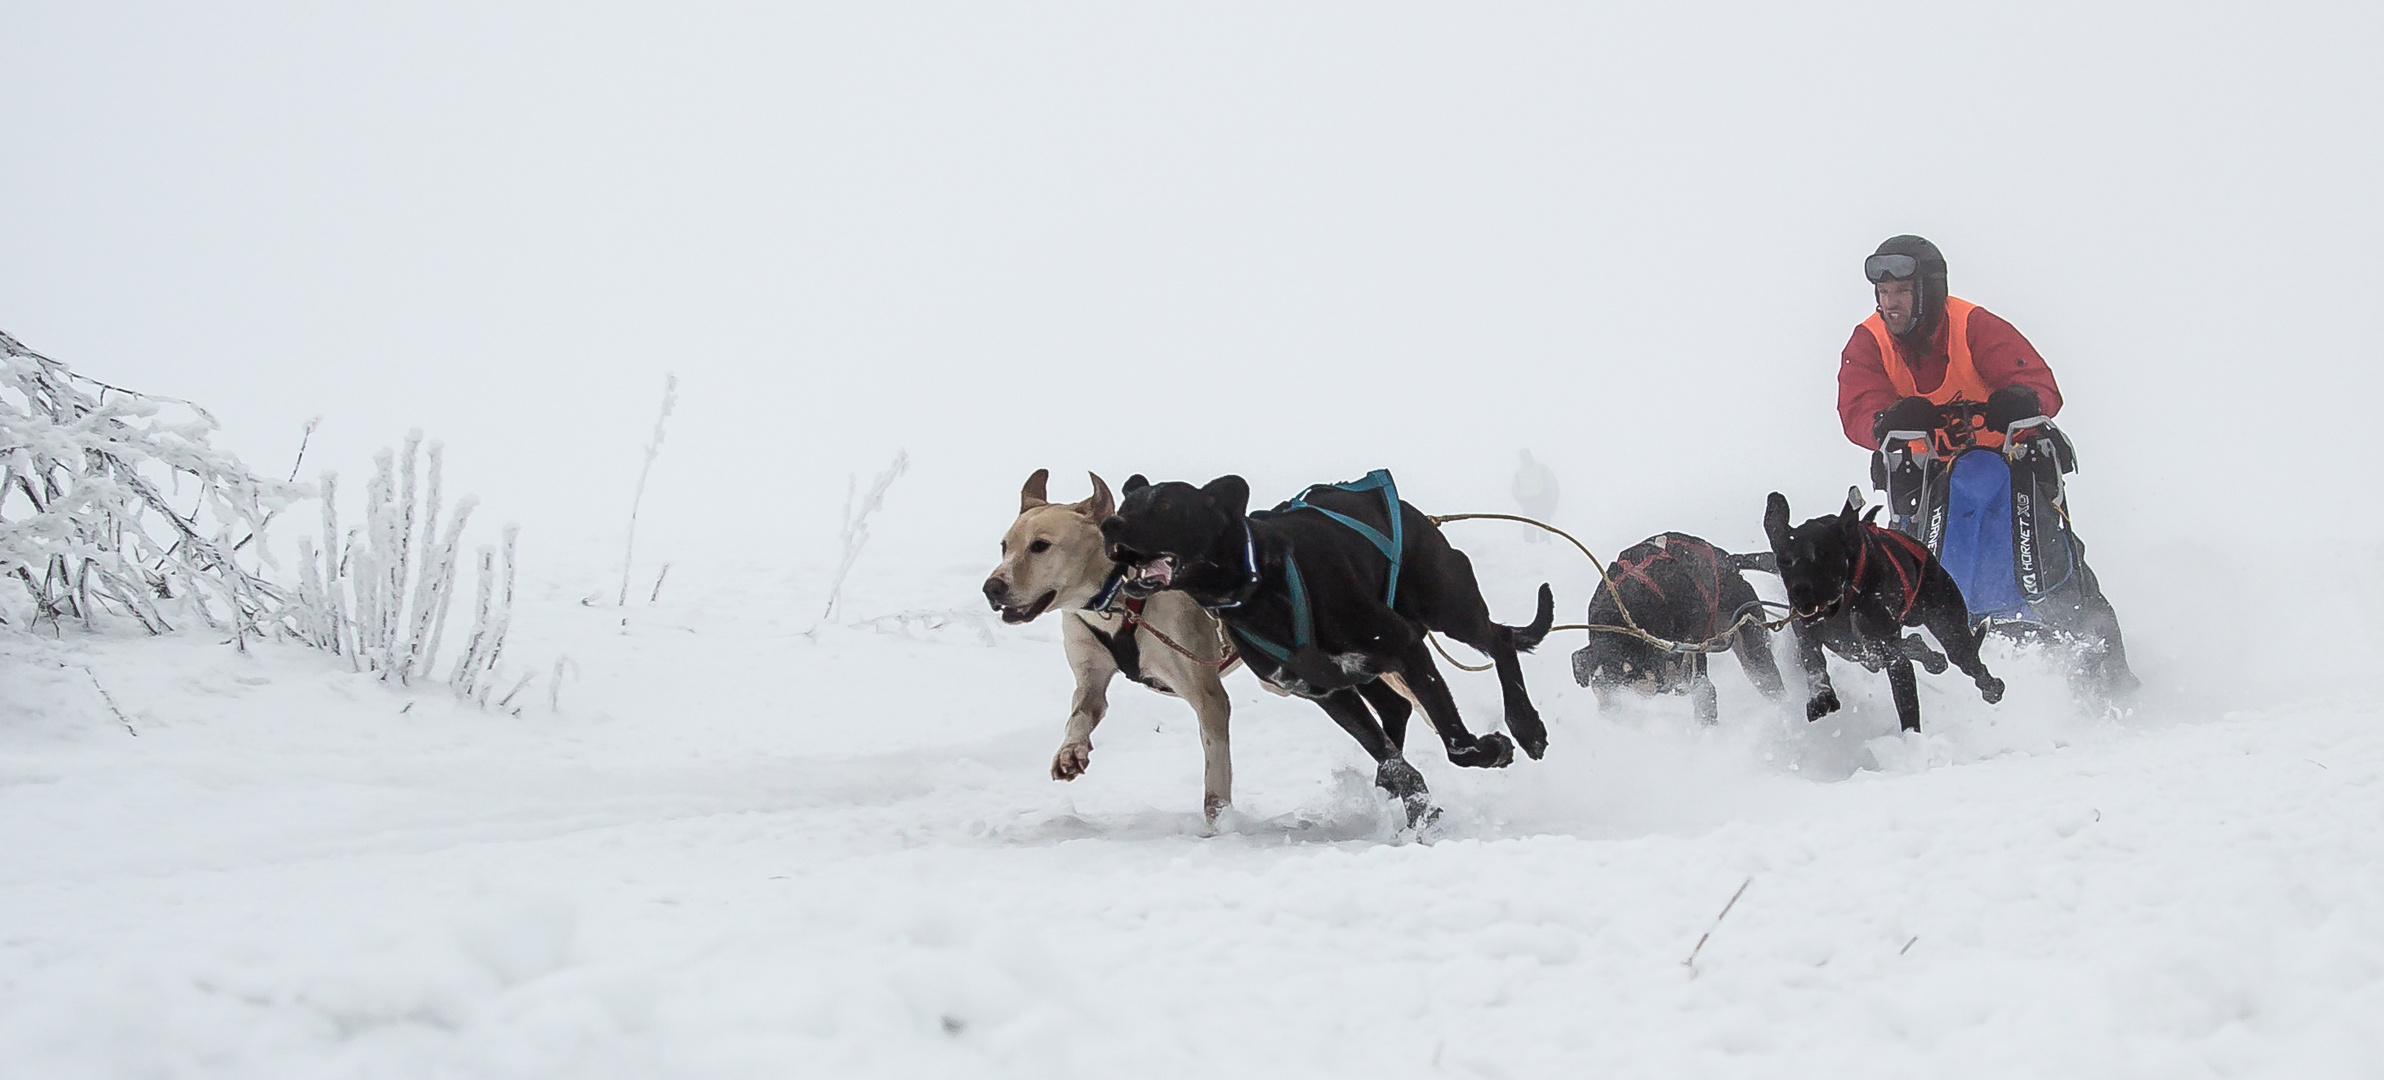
[[1528, 638], [1757, 560]]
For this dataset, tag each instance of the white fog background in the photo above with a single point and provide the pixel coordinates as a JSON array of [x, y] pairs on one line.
[[1296, 242]]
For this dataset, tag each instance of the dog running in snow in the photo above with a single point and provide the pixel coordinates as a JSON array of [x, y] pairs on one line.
[[1679, 588], [1052, 558], [1853, 587], [1330, 596]]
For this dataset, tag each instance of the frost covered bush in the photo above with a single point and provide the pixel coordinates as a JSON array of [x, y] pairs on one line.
[[94, 481], [112, 503], [380, 594]]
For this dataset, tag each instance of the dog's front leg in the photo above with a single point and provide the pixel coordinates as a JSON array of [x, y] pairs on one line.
[[1392, 773], [1821, 699], [1708, 701], [1754, 657], [1902, 684], [1090, 702], [1215, 709]]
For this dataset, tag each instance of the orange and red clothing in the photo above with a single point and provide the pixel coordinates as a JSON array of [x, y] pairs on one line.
[[1989, 356]]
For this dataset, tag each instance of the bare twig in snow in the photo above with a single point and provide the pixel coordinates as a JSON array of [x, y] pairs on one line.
[[1691, 962], [554, 688], [109, 698], [670, 399], [304, 437], [856, 524], [517, 688]]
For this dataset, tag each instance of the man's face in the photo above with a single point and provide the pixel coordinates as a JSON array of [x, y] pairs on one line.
[[1897, 304]]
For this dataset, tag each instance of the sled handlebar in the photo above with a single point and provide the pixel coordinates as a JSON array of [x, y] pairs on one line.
[[2017, 442]]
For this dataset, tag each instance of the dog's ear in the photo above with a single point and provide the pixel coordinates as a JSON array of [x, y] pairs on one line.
[[1033, 494], [1100, 505], [1874, 514], [1231, 494], [1135, 483], [1775, 519], [1854, 504]]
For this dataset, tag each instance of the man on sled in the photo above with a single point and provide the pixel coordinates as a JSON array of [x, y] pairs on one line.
[[1957, 410]]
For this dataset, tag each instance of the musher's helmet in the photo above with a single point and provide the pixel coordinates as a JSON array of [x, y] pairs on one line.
[[1904, 258]]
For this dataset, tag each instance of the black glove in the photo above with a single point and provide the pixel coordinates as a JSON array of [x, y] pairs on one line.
[[1910, 414], [2012, 403]]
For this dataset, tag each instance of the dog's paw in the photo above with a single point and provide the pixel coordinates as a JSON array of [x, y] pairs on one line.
[[1211, 806], [1929, 658], [1530, 733], [1991, 688], [1072, 760], [1400, 779], [1821, 704], [1492, 751]]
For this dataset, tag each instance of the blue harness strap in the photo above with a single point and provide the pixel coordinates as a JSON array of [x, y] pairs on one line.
[[1391, 546], [1303, 627], [1303, 621]]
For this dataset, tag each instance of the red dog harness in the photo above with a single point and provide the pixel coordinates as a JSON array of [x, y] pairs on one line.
[[1707, 584], [1898, 552]]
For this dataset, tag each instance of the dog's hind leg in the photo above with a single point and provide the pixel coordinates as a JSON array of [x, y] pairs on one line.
[[1522, 718], [1491, 751], [1470, 623], [1392, 773], [1446, 597], [1902, 683], [1948, 620]]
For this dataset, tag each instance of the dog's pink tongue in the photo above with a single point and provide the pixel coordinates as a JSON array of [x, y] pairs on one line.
[[1159, 571]]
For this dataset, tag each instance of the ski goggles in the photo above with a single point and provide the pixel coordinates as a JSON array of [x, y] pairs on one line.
[[1880, 268]]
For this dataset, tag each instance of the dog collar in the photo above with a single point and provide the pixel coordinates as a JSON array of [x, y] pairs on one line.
[[1862, 559], [1109, 591], [1249, 565]]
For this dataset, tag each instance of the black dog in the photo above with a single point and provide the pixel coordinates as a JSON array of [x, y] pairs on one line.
[[1679, 588], [1323, 609], [1854, 587]]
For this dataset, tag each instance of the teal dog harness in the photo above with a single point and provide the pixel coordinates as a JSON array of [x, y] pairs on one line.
[[1303, 620]]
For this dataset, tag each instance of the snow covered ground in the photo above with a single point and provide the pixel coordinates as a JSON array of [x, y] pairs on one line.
[[738, 850]]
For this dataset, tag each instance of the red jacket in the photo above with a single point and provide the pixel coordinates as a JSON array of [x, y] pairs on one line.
[[2001, 355]]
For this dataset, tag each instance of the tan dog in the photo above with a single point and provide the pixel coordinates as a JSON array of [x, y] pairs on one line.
[[1051, 558]]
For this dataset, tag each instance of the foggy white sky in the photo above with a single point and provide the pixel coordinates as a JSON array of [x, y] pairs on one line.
[[1185, 239]]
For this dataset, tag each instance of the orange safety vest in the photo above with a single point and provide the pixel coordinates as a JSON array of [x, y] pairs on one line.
[[1962, 384]]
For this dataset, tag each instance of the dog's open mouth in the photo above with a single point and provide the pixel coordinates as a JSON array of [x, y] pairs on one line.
[[1817, 611], [1028, 613], [1152, 576]]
